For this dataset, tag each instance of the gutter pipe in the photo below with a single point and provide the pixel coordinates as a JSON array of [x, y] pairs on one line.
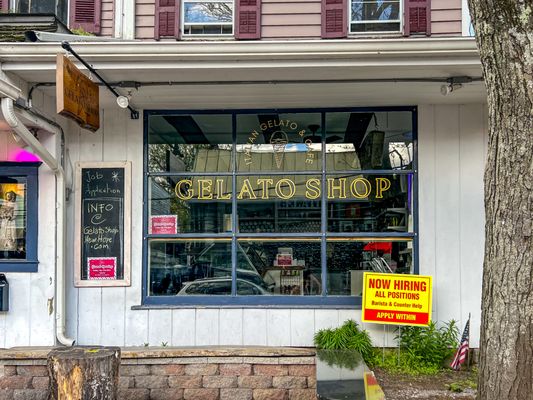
[[10, 94]]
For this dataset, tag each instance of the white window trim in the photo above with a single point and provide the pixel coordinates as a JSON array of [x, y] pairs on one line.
[[395, 21], [466, 19], [220, 35]]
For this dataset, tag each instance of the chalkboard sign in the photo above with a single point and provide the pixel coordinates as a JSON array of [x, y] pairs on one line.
[[103, 224]]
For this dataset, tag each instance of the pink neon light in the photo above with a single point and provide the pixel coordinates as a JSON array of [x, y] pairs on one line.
[[21, 155]]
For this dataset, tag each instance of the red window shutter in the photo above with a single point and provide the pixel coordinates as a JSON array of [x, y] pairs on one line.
[[85, 14], [417, 17], [248, 19], [4, 5], [167, 18], [334, 19]]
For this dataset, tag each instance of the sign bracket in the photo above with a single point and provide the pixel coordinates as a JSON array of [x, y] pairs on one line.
[[66, 45]]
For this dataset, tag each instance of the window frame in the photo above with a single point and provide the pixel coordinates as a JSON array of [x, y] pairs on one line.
[[185, 35], [319, 301], [30, 171], [399, 21]]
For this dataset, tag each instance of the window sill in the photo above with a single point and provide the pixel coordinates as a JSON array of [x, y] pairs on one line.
[[276, 302], [19, 266]]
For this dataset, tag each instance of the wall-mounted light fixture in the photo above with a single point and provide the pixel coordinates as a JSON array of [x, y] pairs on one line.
[[453, 84]]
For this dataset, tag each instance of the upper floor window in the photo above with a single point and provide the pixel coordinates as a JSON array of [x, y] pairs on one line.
[[57, 7], [207, 17], [373, 16]]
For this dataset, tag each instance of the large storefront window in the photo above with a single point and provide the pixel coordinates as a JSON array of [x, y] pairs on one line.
[[277, 207]]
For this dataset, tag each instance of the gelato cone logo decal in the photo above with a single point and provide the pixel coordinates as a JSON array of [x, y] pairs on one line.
[[279, 140], [275, 134]]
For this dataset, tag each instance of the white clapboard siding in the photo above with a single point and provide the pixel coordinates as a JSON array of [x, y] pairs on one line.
[[254, 325], [72, 136], [136, 324], [472, 156], [232, 327], [115, 140], [278, 327], [452, 147], [447, 283], [90, 310]]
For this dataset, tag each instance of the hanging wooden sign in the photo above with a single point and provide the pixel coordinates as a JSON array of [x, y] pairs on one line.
[[77, 96]]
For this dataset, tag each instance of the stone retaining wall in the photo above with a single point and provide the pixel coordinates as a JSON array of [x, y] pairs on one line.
[[175, 374]]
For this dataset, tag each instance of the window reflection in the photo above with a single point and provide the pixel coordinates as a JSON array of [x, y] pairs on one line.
[[195, 143], [286, 267], [369, 140], [347, 260]]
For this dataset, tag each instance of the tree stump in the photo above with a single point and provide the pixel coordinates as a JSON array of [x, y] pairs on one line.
[[84, 373]]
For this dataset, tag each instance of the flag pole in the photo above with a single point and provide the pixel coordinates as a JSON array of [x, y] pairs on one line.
[[468, 352]]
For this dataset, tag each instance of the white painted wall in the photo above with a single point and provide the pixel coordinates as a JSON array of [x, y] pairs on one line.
[[451, 158], [28, 322]]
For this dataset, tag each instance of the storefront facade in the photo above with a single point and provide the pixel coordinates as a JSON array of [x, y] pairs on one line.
[[257, 205]]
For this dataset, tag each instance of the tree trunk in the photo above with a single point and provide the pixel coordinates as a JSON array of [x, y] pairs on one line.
[[504, 32], [84, 373]]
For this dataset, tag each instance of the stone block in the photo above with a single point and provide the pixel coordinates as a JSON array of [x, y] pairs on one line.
[[260, 360], [166, 394], [125, 382], [270, 394], [6, 394], [185, 382], [224, 360], [10, 370], [296, 360], [201, 369], [219, 381], [151, 381], [15, 382], [302, 394], [30, 394], [311, 382], [302, 370], [201, 394], [134, 370], [32, 370], [236, 394], [235, 369], [255, 382], [169, 369], [271, 370], [289, 382], [40, 382], [133, 394]]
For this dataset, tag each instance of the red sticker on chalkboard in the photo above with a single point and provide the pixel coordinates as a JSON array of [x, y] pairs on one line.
[[164, 224], [102, 268]]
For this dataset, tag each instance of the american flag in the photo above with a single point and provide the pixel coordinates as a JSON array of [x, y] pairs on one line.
[[460, 354]]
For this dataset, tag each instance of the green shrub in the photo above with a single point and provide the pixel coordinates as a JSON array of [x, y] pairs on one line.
[[429, 345], [347, 337]]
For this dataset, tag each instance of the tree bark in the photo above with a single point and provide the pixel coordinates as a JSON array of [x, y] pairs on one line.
[[83, 373], [504, 33]]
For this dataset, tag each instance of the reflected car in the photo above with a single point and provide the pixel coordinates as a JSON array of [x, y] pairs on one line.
[[221, 286]]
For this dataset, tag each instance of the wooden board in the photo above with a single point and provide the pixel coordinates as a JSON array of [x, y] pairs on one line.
[[102, 224], [77, 96]]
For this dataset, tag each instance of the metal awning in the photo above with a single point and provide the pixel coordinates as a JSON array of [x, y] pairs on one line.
[[268, 74]]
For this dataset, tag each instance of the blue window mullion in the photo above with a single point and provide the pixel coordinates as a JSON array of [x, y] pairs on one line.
[[233, 206], [323, 213]]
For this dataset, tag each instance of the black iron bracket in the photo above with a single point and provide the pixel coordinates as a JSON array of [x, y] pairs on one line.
[[66, 45]]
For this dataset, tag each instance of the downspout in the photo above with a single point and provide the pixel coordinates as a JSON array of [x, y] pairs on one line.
[[9, 94]]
